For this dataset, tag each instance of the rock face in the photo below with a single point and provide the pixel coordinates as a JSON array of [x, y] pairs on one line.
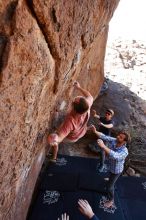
[[44, 46]]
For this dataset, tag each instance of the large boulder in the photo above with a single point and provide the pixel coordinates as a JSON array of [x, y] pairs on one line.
[[44, 46]]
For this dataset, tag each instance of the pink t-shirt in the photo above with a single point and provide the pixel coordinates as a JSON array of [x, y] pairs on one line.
[[75, 125]]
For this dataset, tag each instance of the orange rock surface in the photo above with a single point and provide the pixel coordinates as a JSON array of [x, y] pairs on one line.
[[44, 46]]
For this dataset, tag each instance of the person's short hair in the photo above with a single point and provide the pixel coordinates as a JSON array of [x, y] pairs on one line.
[[127, 136], [81, 106], [110, 111]]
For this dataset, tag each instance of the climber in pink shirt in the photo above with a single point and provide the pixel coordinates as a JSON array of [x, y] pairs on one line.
[[75, 124]]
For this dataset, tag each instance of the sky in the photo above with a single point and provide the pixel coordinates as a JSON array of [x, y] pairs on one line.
[[129, 20]]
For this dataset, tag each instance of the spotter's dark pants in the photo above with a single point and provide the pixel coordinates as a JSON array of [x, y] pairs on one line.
[[110, 185]]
